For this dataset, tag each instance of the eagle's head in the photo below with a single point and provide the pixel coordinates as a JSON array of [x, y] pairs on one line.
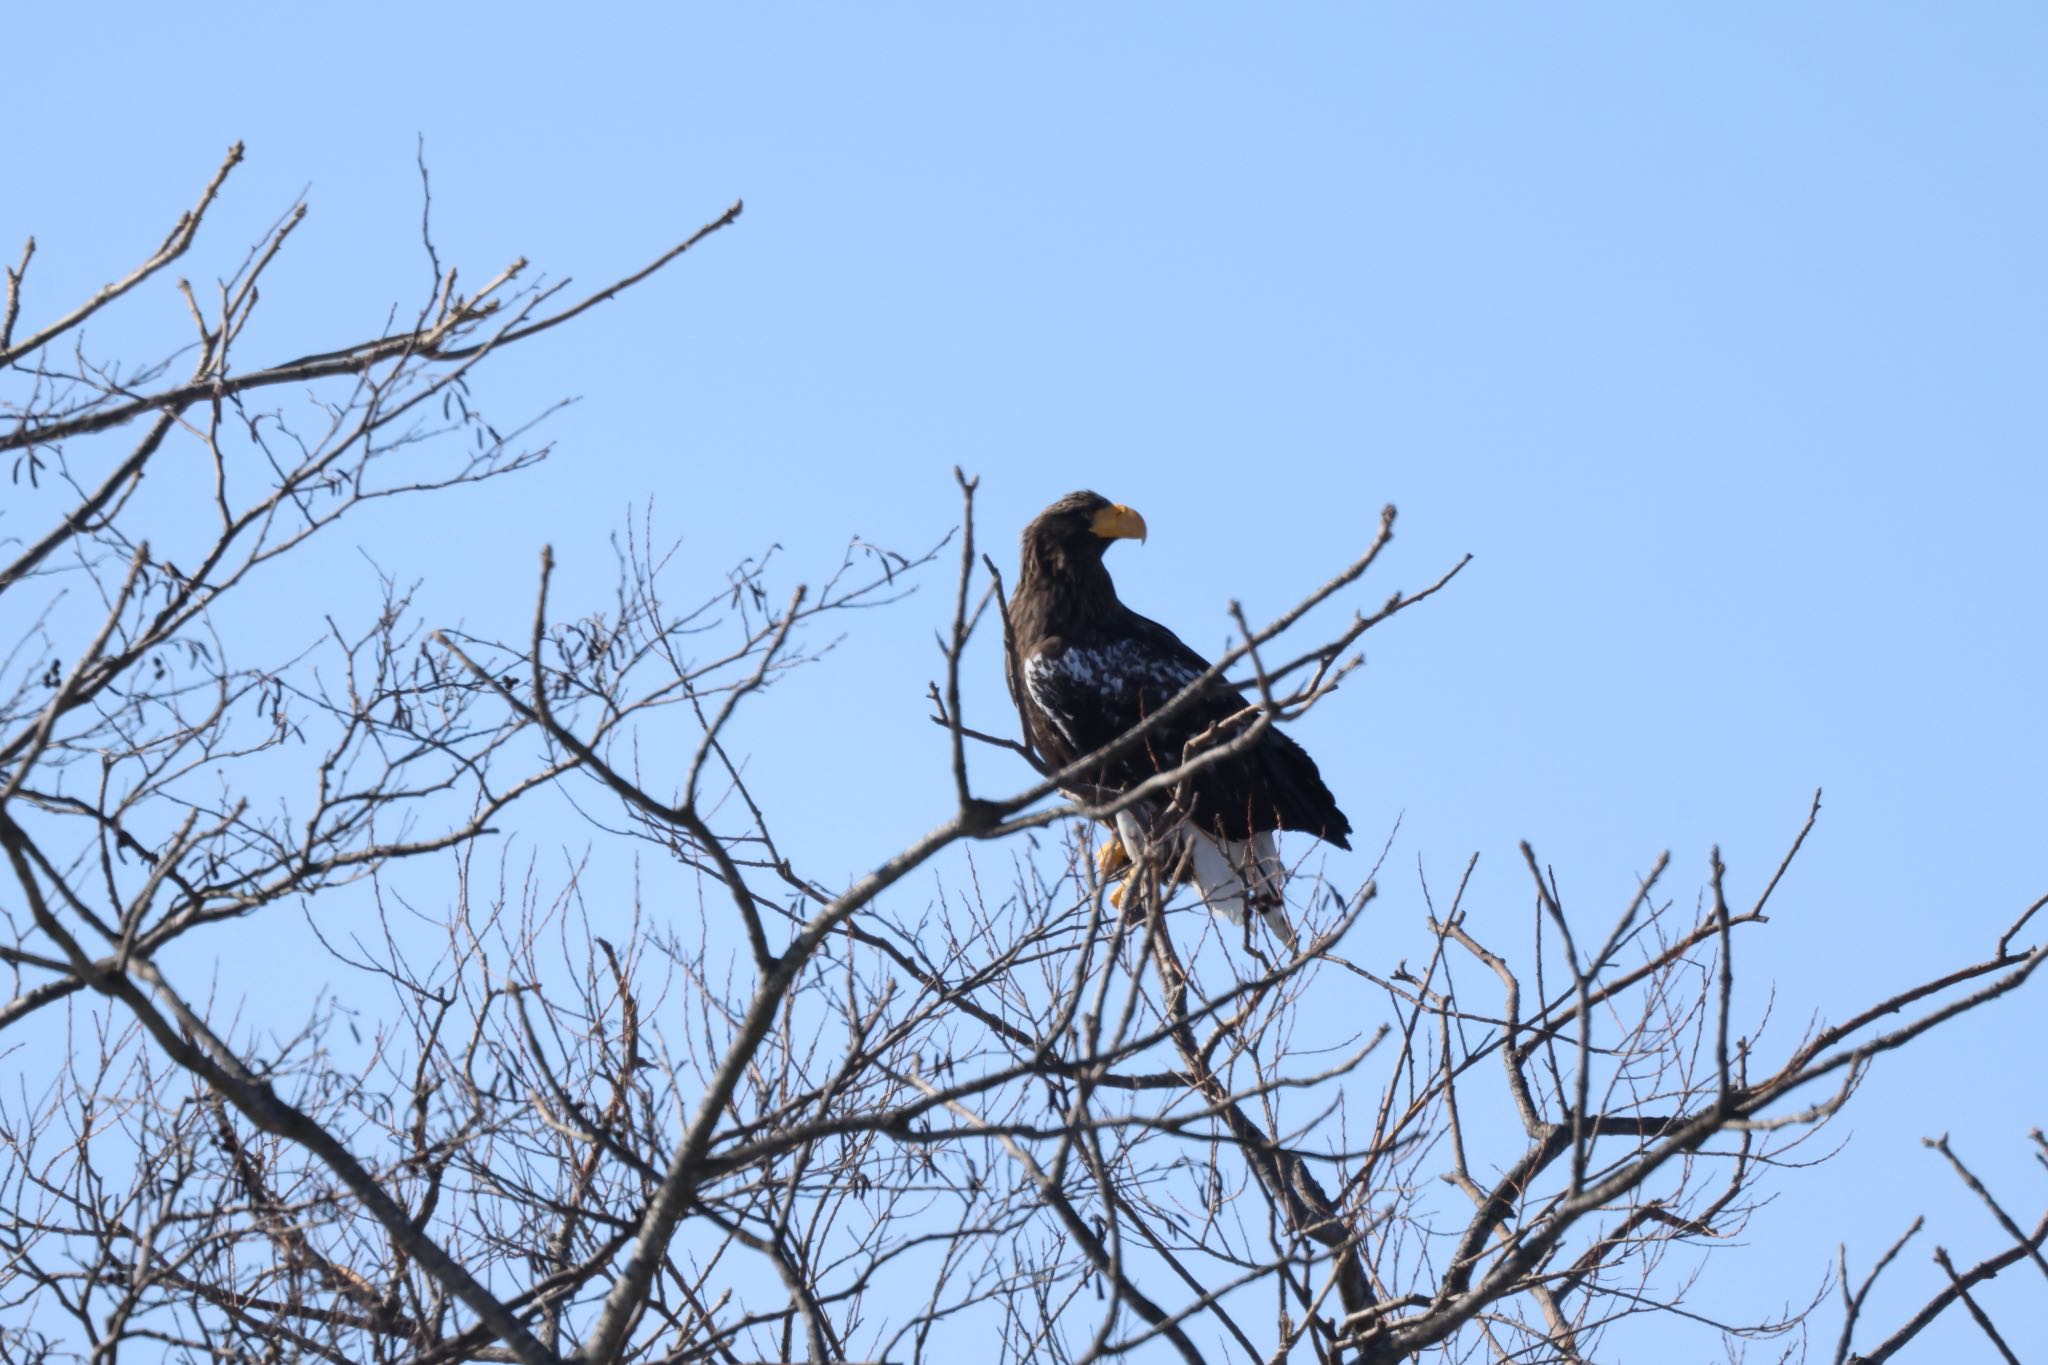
[[1079, 527]]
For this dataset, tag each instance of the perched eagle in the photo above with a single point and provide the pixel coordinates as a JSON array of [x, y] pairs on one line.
[[1088, 668]]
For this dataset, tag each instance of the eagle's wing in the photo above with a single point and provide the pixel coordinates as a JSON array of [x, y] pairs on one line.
[[1272, 785], [1090, 694], [1087, 693]]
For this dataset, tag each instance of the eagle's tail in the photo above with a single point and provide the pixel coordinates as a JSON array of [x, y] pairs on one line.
[[1232, 874], [1228, 874]]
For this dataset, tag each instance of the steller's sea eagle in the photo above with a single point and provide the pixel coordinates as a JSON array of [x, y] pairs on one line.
[[1088, 668]]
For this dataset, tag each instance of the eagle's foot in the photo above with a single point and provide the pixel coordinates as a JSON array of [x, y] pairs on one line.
[[1113, 861]]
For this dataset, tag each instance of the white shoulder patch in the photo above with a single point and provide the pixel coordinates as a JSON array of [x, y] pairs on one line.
[[1120, 667], [1041, 680]]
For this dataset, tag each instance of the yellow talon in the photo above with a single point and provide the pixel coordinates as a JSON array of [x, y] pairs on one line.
[[1112, 858]]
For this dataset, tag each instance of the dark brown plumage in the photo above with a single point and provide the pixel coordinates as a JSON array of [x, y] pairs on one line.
[[1088, 668]]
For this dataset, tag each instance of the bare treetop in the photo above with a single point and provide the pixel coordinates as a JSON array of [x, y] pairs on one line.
[[972, 1099]]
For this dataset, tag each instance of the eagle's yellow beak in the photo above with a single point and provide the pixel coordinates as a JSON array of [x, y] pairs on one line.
[[1118, 523]]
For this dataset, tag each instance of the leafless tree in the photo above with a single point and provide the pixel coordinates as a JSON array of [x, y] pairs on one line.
[[975, 1099]]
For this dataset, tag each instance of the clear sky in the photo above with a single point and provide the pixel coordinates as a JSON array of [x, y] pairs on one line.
[[1717, 334]]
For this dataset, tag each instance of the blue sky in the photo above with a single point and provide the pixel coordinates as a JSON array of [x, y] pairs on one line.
[[1716, 336]]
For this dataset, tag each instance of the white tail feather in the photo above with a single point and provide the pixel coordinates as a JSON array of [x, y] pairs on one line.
[[1228, 874], [1232, 874]]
